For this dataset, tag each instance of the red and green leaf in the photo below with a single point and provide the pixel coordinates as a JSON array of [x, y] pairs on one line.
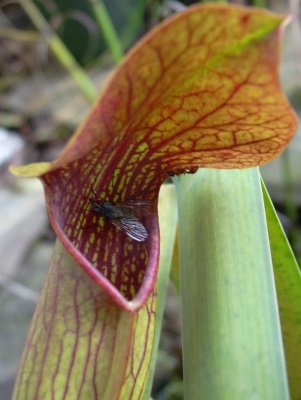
[[80, 346], [200, 90]]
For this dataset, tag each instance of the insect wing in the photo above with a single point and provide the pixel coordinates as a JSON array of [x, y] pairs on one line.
[[136, 207], [132, 227]]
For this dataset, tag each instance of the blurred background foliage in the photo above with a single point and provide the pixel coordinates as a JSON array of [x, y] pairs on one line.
[[40, 107]]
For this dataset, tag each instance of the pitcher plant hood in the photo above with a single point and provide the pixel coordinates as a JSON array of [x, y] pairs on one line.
[[199, 90]]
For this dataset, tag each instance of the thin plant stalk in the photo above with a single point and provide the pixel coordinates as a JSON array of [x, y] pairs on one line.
[[260, 3], [134, 24], [60, 50], [105, 23], [216, 1]]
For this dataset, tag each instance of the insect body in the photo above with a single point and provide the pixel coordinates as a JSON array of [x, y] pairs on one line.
[[123, 216]]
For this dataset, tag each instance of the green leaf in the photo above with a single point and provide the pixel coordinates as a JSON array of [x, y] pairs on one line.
[[232, 345], [288, 286]]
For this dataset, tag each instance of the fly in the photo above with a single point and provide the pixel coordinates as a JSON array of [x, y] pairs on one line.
[[124, 216]]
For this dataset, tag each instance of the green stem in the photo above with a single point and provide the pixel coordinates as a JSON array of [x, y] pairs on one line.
[[134, 24], [60, 50], [232, 345], [216, 1], [103, 18], [260, 3]]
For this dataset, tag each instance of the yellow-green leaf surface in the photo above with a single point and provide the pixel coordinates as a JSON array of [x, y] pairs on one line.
[[200, 90], [79, 346], [82, 347], [288, 285]]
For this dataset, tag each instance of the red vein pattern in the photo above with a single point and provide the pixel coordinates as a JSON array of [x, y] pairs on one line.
[[81, 347], [200, 90]]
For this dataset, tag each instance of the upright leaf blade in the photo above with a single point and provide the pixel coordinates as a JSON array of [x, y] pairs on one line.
[[288, 285], [231, 333]]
